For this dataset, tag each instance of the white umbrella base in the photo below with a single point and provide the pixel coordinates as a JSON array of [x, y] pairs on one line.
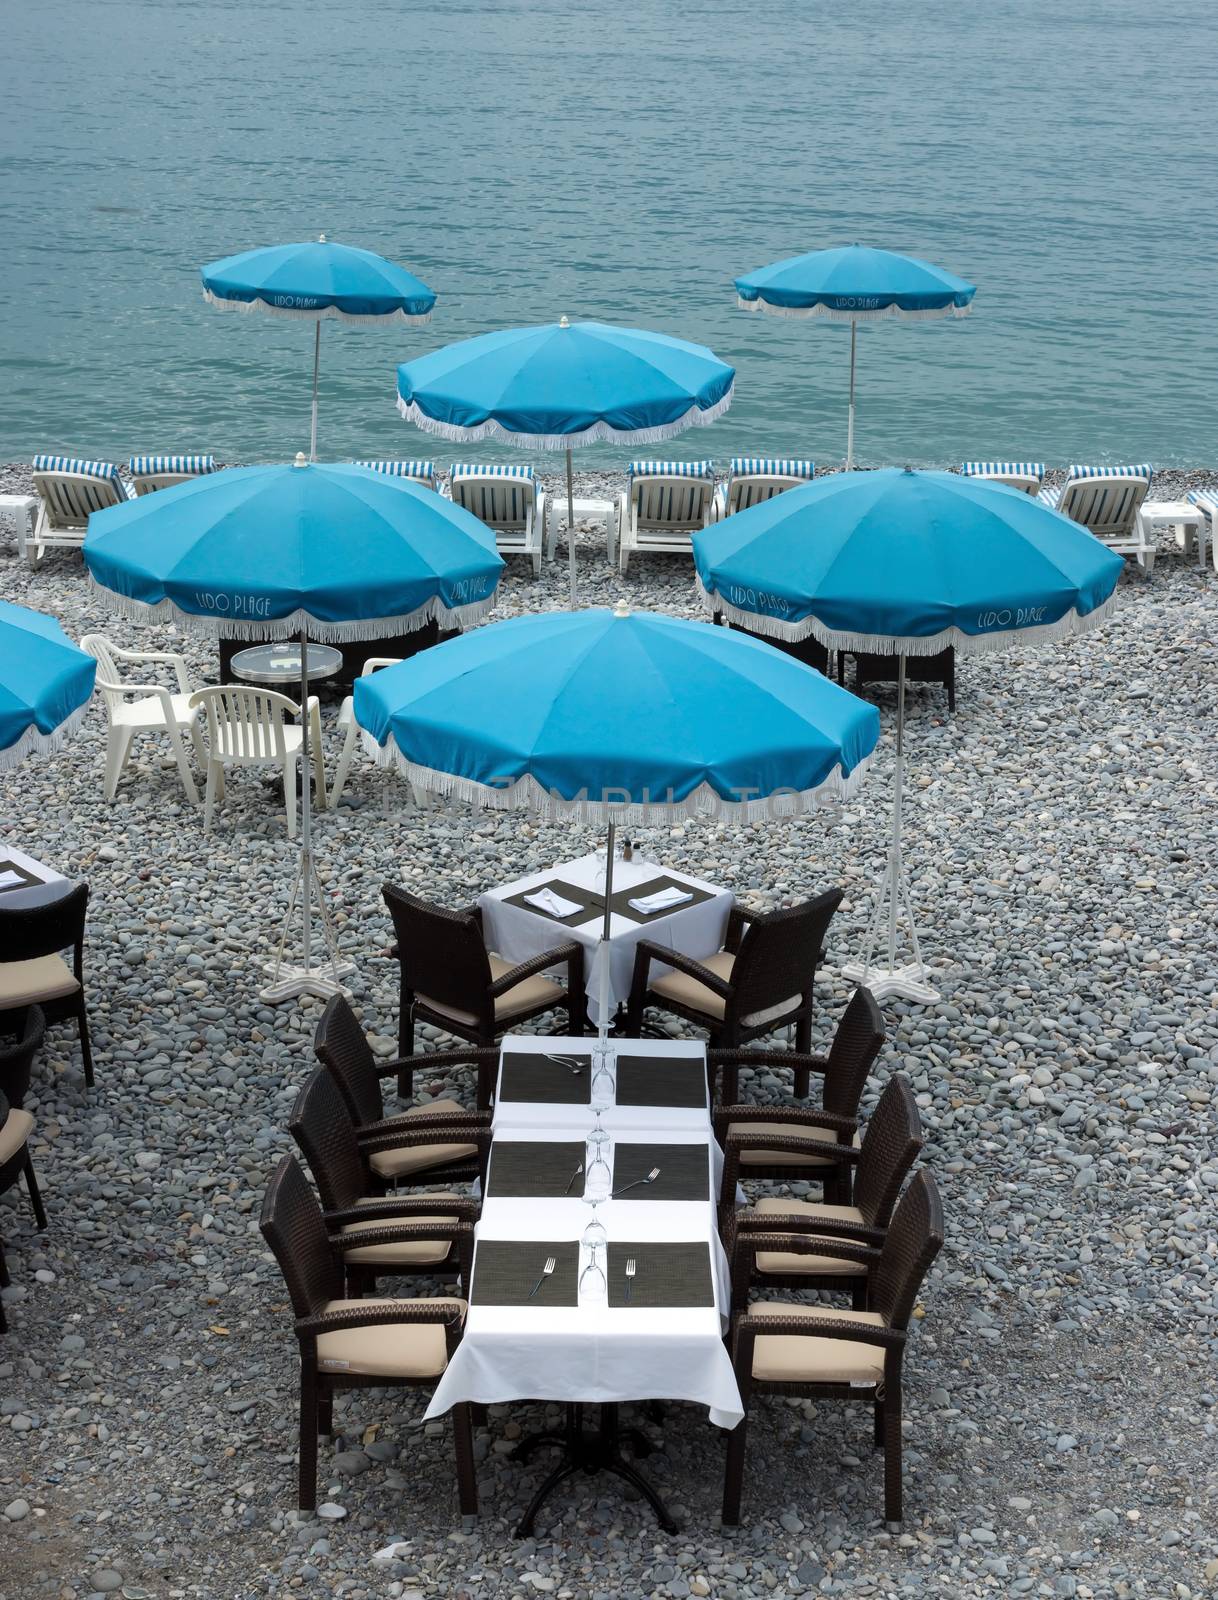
[[887, 983], [291, 982]]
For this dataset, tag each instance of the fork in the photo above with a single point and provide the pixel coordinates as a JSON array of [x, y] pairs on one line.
[[638, 1183], [551, 1263], [630, 1272], [573, 1177], [574, 1067]]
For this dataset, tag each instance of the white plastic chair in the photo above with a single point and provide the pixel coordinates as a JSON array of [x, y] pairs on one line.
[[510, 501], [150, 473], [69, 490], [1026, 475], [752, 480], [154, 709], [663, 504], [346, 721], [248, 727], [1107, 501]]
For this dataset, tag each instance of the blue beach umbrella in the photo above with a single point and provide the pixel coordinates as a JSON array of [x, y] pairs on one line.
[[906, 563], [45, 684], [338, 553], [613, 715], [314, 280], [564, 384], [854, 284]]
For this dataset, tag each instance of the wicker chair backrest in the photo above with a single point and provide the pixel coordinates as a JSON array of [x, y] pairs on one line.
[[914, 1239], [778, 954], [43, 930], [890, 1147], [17, 1058], [341, 1045], [321, 1125], [857, 1042], [292, 1225], [442, 953]]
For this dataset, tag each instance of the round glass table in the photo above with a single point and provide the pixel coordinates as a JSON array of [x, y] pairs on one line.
[[279, 664]]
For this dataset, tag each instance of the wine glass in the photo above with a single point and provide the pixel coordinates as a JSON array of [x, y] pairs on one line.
[[604, 1080], [592, 1282], [598, 1180]]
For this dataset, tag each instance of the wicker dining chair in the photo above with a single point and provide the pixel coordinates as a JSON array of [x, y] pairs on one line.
[[763, 979], [357, 1343], [343, 1049], [354, 1206], [32, 970], [450, 979], [857, 1041], [814, 1351], [16, 1127], [889, 1148]]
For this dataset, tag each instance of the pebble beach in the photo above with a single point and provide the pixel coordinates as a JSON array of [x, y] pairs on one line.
[[1061, 1418]]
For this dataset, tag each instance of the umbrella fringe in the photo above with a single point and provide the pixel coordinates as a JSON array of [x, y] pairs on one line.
[[258, 304], [971, 644], [527, 794], [831, 314], [319, 629], [33, 740], [695, 417]]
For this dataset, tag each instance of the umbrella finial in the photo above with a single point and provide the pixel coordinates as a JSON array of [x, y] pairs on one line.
[[321, 238], [302, 460], [563, 323], [908, 468], [621, 609]]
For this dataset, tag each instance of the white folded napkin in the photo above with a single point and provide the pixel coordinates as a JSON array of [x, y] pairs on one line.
[[9, 879], [547, 900], [662, 900]]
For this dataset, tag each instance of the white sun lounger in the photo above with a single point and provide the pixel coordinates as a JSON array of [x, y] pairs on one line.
[[1026, 475], [1206, 502], [150, 473], [754, 479], [422, 472], [69, 490], [1107, 501], [663, 504], [511, 502]]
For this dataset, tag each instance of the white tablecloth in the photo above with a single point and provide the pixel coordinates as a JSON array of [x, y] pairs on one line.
[[15, 894], [593, 1352], [517, 934]]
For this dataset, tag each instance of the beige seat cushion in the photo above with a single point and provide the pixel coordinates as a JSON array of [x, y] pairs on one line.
[[785, 1262], [28, 983], [18, 1126], [396, 1163], [785, 1130], [532, 993], [414, 1253], [386, 1349], [792, 1358], [687, 991]]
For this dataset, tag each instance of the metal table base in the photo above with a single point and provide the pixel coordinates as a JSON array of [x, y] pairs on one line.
[[591, 1451]]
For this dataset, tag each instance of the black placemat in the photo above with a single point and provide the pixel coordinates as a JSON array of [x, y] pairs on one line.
[[622, 898], [26, 876], [505, 1270], [533, 1078], [666, 1275], [535, 1169], [588, 901], [661, 1081], [684, 1171]]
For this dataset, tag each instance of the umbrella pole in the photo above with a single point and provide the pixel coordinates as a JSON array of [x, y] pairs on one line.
[[908, 982], [316, 365], [571, 532], [322, 980], [602, 1026], [854, 329]]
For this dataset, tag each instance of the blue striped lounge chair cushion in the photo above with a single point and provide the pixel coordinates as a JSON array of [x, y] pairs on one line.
[[422, 471], [1142, 470], [672, 469], [152, 466], [1003, 469], [1206, 499], [470, 469], [105, 470], [771, 467]]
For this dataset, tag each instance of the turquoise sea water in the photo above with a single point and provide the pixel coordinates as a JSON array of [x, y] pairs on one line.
[[621, 161]]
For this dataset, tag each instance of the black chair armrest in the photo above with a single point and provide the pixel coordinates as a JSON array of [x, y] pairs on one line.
[[404, 1208], [539, 963]]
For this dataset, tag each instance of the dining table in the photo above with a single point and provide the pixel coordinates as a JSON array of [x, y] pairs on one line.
[[647, 1323], [549, 908]]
